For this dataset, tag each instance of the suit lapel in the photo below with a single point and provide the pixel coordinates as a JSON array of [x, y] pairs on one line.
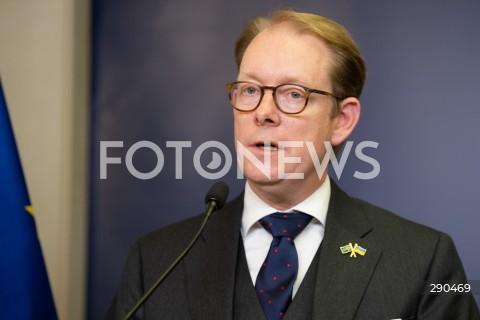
[[210, 266], [341, 279]]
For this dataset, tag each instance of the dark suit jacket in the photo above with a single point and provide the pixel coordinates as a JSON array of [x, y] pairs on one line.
[[391, 281]]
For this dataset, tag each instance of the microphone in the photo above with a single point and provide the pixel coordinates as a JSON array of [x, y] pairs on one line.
[[216, 197], [214, 200]]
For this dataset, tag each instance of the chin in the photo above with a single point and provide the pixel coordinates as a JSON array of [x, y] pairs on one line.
[[256, 176]]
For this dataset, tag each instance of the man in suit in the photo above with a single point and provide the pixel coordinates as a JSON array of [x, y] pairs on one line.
[[299, 81]]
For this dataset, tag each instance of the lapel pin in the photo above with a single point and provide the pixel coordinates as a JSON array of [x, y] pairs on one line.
[[353, 250]]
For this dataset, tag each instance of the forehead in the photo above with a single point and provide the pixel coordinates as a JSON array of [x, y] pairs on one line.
[[281, 54]]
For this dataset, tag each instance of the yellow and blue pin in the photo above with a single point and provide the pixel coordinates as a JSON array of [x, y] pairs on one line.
[[353, 250]]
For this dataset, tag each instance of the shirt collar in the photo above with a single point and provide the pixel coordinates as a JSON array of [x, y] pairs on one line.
[[255, 208]]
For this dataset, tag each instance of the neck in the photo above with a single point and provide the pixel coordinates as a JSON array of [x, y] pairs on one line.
[[285, 194]]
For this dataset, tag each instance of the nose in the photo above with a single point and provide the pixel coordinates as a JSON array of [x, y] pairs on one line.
[[267, 113]]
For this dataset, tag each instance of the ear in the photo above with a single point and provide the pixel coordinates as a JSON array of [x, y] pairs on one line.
[[345, 121]]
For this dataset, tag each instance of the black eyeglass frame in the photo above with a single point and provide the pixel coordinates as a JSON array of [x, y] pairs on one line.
[[274, 89]]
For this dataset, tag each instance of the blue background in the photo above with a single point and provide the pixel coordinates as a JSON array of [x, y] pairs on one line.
[[159, 69]]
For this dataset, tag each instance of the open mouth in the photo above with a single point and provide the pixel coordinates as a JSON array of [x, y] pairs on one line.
[[271, 146]]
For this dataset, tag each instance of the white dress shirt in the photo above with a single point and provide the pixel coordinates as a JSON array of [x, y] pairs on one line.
[[256, 239]]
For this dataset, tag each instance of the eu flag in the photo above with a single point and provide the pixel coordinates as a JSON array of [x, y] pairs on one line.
[[24, 288]]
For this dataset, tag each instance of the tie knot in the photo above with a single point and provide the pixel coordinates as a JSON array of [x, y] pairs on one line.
[[285, 224]]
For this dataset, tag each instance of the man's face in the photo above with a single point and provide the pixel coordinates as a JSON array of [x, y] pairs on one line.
[[278, 56]]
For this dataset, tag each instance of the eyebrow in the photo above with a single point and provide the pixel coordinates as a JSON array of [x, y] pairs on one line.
[[285, 80]]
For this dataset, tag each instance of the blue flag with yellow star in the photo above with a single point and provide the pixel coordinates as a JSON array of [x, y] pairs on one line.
[[24, 288]]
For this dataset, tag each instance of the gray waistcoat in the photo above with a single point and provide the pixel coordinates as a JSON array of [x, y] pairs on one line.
[[246, 305]]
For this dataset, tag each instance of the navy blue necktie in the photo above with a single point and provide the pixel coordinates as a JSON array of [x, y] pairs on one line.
[[274, 284]]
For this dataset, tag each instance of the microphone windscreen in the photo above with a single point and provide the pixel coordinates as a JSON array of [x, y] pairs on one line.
[[219, 193]]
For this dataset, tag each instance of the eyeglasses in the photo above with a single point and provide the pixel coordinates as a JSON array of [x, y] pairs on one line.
[[289, 98]]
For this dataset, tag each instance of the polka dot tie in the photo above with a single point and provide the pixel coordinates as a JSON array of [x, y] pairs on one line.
[[274, 284]]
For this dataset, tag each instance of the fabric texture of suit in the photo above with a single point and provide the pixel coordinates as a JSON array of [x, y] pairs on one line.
[[392, 280]]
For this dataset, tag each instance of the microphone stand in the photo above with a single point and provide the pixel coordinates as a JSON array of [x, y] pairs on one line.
[[211, 207]]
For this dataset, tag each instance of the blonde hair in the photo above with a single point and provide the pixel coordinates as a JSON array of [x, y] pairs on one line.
[[348, 70]]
